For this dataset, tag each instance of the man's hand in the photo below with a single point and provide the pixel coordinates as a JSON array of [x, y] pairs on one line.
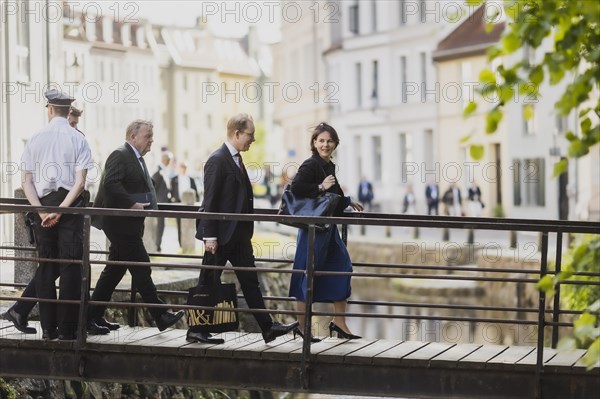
[[211, 246], [49, 219], [140, 205]]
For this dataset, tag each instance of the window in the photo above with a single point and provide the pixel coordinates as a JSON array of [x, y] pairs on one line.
[[529, 125], [529, 187], [357, 151], [377, 158], [465, 79], [562, 124], [353, 18], [358, 80], [422, 14], [374, 16], [402, 14], [406, 155], [403, 82], [22, 47], [375, 93], [423, 60]]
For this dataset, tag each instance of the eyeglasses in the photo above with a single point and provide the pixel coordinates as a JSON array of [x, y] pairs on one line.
[[249, 134]]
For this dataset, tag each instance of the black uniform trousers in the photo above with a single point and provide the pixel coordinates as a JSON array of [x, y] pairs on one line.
[[62, 241], [125, 247], [239, 252]]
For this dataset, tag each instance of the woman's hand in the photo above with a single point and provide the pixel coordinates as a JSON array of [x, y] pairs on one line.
[[328, 182], [49, 219], [356, 206]]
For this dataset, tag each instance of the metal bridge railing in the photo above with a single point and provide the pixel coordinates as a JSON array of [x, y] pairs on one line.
[[546, 316]]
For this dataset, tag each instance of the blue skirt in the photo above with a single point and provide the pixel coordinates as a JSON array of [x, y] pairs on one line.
[[330, 255]]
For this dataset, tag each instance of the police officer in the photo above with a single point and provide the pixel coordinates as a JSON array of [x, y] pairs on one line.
[[53, 171]]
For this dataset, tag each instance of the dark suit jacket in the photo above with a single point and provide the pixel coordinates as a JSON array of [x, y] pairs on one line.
[[310, 174], [162, 191], [175, 188], [226, 190], [123, 176], [428, 195]]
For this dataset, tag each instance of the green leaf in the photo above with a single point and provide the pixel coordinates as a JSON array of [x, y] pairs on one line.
[[592, 357], [476, 151], [511, 42], [560, 167], [465, 138], [470, 108], [537, 75], [563, 276], [492, 119], [546, 283], [528, 112], [586, 124], [506, 93], [487, 76]]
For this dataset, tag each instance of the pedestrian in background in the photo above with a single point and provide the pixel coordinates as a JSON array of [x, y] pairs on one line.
[[181, 183], [162, 183], [315, 176], [365, 193]]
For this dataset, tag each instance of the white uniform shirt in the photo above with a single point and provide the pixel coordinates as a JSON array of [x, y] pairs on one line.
[[54, 155]]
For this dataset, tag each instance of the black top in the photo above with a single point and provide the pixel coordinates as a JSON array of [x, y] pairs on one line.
[[311, 173]]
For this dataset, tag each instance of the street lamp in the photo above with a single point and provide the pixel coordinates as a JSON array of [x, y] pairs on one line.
[[75, 71]]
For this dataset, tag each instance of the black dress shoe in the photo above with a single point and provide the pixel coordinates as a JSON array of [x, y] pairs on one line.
[[51, 334], [277, 330], [205, 338], [20, 322], [167, 319], [103, 323], [95, 329]]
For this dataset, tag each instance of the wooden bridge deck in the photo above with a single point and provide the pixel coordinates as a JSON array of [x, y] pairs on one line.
[[360, 367]]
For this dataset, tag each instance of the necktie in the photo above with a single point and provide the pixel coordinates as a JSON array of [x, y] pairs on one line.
[[241, 164], [153, 202]]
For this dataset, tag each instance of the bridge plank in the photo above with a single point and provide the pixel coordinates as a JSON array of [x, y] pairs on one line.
[[580, 367], [481, 356], [564, 359], [315, 349], [365, 355], [392, 355], [156, 343], [337, 353], [454, 354], [529, 361], [237, 342], [255, 350], [122, 336], [422, 356], [285, 351], [510, 357]]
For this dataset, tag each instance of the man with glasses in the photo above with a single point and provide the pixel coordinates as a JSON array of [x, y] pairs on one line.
[[227, 189]]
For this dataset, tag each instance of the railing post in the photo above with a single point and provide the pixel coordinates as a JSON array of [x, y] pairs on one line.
[[310, 265], [512, 239], [132, 311], [556, 304], [541, 316], [470, 236], [345, 234], [85, 283], [445, 234], [416, 233]]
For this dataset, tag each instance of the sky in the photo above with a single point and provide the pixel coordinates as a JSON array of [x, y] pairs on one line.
[[224, 18]]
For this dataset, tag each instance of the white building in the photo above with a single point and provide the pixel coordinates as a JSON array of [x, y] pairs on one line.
[[30, 40], [388, 90], [117, 81]]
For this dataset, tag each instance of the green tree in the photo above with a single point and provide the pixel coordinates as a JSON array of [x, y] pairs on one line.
[[573, 27]]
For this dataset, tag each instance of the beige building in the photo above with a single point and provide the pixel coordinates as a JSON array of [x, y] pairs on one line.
[[203, 81], [459, 58], [303, 90]]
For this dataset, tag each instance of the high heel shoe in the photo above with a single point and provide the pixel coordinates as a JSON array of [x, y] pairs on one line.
[[341, 333], [298, 332]]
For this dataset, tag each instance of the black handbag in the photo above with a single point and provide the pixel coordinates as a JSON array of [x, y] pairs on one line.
[[222, 297], [323, 205]]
